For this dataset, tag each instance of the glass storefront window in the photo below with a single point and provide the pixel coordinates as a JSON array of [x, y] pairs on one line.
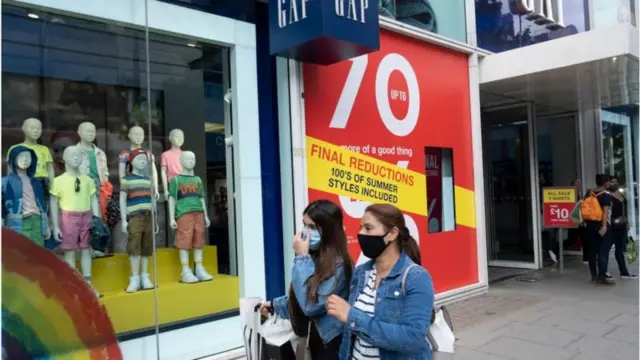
[[243, 10], [444, 17], [501, 27], [609, 13], [65, 71], [618, 157]]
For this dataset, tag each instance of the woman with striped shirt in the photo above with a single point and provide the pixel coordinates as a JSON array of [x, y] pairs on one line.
[[386, 318]]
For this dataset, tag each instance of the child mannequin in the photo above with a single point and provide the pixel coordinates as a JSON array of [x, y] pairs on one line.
[[188, 214], [136, 211], [136, 138], [73, 203], [94, 160], [170, 159], [23, 208], [32, 129]]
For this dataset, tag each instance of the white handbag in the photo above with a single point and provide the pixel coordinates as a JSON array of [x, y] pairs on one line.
[[440, 334]]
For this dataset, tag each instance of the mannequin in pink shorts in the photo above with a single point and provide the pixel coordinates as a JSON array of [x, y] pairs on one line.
[[74, 202]]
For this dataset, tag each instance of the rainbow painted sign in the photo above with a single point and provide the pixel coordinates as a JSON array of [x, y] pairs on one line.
[[48, 311]]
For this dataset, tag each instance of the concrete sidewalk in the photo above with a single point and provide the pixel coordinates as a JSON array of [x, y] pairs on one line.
[[557, 317]]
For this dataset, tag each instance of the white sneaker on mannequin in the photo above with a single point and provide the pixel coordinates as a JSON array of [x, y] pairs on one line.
[[134, 284], [201, 272], [145, 282], [188, 277]]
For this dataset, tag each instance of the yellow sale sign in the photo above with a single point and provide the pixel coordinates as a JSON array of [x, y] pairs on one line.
[[339, 171]]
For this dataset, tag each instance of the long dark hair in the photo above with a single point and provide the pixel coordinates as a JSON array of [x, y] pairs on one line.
[[390, 217], [329, 221]]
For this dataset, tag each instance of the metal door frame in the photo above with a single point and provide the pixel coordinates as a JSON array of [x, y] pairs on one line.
[[533, 178], [230, 166]]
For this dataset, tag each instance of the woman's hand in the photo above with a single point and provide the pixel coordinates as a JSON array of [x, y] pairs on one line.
[[266, 308], [603, 230], [338, 308], [300, 245]]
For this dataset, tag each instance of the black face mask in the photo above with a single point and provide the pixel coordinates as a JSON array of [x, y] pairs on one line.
[[614, 188], [372, 245]]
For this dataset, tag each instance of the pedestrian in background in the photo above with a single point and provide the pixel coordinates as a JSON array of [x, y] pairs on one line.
[[619, 227], [598, 231]]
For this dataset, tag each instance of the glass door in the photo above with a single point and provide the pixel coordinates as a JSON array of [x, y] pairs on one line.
[[617, 158], [511, 188]]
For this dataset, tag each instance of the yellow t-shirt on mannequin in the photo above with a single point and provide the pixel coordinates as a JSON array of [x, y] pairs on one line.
[[64, 188]]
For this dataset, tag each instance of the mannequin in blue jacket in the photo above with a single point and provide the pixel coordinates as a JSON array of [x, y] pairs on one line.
[[23, 201]]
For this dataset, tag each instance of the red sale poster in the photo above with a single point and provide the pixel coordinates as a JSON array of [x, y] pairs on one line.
[[384, 109]]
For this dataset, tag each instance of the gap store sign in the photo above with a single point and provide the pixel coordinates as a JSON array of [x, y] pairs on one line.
[[323, 32]]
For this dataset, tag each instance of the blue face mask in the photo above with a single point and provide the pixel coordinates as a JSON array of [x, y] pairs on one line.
[[315, 240]]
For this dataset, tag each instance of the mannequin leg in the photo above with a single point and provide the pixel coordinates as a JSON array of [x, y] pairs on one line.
[[145, 279], [134, 281], [187, 274], [201, 272], [85, 264], [70, 258]]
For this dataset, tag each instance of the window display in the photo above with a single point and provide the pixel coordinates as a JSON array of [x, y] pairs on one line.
[[96, 135], [444, 17]]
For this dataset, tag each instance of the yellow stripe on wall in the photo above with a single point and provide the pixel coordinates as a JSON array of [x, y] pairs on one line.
[[465, 207]]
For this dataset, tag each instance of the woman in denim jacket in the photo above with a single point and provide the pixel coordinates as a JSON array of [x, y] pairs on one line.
[[322, 267], [384, 320]]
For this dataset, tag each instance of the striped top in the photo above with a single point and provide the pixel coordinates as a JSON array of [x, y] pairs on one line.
[[138, 189], [365, 302]]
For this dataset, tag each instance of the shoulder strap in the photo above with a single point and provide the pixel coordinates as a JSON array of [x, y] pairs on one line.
[[404, 278]]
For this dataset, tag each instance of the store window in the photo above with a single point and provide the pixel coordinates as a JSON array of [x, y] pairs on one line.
[[243, 10], [440, 189], [444, 17], [618, 158], [66, 71], [501, 26], [608, 13]]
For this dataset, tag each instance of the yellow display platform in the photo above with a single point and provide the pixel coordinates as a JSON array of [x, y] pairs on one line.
[[176, 301]]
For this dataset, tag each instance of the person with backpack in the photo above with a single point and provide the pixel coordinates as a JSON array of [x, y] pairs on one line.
[[390, 302], [595, 210], [619, 227]]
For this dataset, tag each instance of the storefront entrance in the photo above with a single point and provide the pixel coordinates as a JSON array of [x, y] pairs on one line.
[[512, 236]]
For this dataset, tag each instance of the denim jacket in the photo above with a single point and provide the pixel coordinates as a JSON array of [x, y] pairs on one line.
[[303, 268], [12, 211], [401, 321]]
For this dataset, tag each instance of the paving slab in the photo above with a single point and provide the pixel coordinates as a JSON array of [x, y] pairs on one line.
[[559, 316]]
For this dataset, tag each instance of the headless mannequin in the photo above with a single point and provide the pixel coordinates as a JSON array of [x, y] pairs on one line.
[[176, 137], [140, 278], [73, 159], [136, 138], [32, 129], [188, 161]]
